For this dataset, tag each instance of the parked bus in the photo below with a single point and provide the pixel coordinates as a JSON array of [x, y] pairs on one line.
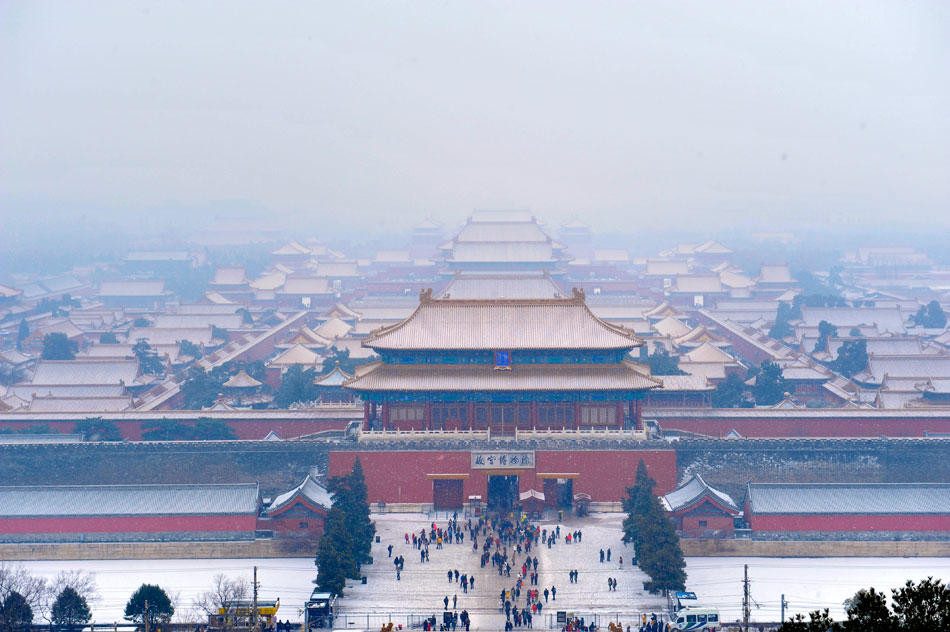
[[689, 616]]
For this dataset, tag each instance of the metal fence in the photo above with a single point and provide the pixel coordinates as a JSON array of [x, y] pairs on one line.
[[558, 620], [375, 621]]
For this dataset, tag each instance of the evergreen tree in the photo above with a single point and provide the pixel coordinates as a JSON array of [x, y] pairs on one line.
[[730, 393], [165, 429], [818, 621], [108, 338], [201, 389], [15, 613], [867, 612], [653, 535], [57, 346], [359, 517], [349, 494], [206, 429], [637, 504], [782, 328], [660, 555], [149, 363], [662, 363], [70, 611], [930, 316], [10, 375], [98, 429], [296, 385], [852, 357], [160, 609], [343, 359], [825, 331], [335, 560], [922, 607], [188, 348], [769, 386], [23, 333]]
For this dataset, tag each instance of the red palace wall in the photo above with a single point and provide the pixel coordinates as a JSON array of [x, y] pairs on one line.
[[713, 523], [402, 476], [128, 524], [289, 526], [849, 523], [248, 430], [793, 427]]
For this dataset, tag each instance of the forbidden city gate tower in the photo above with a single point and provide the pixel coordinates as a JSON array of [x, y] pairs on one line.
[[501, 399], [502, 365]]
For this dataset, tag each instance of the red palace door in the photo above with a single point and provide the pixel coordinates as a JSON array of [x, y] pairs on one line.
[[447, 493]]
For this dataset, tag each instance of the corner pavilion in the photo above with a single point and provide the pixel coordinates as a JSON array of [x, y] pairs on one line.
[[501, 365], [502, 400]]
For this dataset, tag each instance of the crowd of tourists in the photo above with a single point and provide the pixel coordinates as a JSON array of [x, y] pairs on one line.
[[509, 546]]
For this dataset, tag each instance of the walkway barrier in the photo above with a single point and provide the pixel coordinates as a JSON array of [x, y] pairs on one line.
[[375, 621], [558, 620]]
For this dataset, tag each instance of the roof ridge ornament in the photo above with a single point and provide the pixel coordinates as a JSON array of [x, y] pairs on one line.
[[578, 295], [425, 296]]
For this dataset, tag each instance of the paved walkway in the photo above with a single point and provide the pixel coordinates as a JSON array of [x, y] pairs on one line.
[[424, 585]]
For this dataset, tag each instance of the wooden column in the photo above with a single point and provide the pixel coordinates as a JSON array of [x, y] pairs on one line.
[[428, 416], [577, 415], [471, 417], [639, 404], [385, 421], [366, 419], [620, 415], [534, 415]]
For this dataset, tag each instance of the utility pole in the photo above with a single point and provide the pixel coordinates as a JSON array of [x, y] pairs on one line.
[[146, 615], [784, 603], [745, 600], [254, 606]]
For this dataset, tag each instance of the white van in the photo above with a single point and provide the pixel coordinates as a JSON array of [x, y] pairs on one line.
[[697, 619]]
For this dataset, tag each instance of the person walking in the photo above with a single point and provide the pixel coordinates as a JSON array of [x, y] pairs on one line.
[[446, 602], [553, 593], [455, 599], [601, 556], [545, 595], [390, 549], [608, 555]]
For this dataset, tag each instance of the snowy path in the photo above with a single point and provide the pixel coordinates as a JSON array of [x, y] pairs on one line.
[[424, 585]]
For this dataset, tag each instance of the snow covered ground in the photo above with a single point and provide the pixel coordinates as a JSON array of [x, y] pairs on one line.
[[807, 583]]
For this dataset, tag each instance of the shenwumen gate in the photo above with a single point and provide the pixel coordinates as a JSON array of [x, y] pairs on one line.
[[514, 401]]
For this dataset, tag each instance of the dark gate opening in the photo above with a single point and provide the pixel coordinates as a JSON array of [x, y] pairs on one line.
[[502, 492], [565, 493]]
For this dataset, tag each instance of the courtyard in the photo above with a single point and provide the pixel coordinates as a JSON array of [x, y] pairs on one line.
[[424, 585]]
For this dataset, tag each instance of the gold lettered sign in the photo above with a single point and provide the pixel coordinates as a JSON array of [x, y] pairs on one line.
[[494, 459]]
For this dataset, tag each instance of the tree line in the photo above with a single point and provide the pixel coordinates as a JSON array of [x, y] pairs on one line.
[[65, 602], [915, 607]]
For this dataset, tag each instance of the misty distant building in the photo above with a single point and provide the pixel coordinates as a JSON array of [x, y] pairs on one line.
[[427, 236], [503, 242]]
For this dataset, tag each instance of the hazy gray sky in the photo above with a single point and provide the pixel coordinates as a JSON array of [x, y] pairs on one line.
[[629, 114]]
